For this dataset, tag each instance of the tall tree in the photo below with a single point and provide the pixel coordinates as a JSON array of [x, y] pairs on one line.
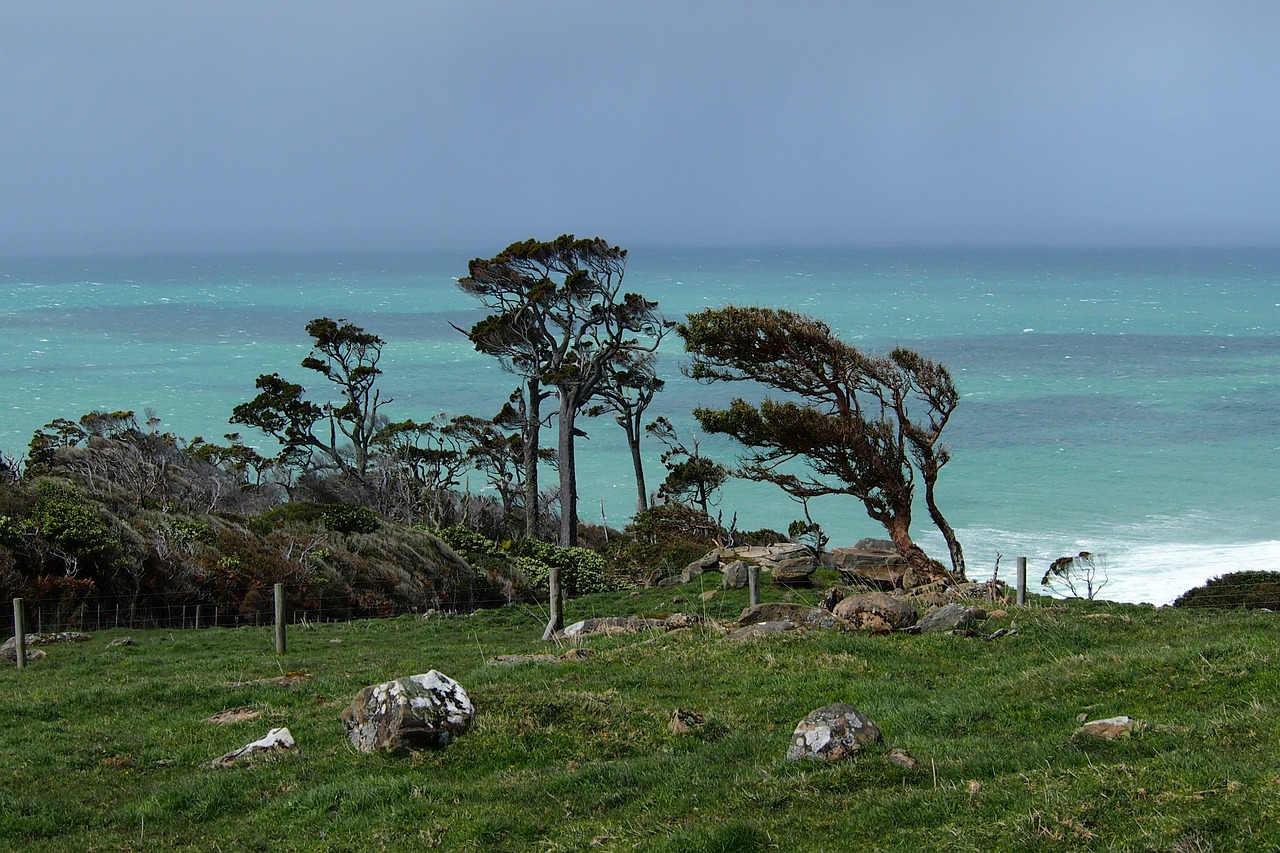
[[855, 425], [347, 356], [560, 321], [626, 393]]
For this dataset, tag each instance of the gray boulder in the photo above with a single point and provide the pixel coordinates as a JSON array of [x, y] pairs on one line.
[[794, 571], [876, 611], [734, 575], [416, 712], [950, 617], [799, 615], [833, 733], [870, 562]]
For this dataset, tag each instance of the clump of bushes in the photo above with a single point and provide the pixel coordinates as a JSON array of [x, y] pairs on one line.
[[1253, 589], [582, 571]]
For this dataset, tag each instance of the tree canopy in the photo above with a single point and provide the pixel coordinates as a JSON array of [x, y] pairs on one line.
[[859, 424], [561, 321]]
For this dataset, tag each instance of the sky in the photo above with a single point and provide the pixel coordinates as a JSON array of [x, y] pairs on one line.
[[169, 125]]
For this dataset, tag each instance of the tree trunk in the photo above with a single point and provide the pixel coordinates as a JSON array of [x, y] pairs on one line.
[[633, 440], [568, 474], [532, 429], [953, 544], [926, 568]]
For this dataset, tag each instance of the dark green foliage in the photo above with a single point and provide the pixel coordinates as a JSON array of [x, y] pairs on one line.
[[581, 571], [852, 424], [346, 518], [1252, 589]]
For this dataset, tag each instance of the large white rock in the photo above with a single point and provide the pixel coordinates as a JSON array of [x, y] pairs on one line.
[[416, 712]]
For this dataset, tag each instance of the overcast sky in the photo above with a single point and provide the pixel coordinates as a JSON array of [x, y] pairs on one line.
[[232, 124]]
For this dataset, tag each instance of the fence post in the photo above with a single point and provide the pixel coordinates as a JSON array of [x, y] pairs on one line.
[[1022, 581], [753, 584], [279, 618], [20, 632]]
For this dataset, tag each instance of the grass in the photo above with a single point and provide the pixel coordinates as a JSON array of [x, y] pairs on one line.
[[109, 749]]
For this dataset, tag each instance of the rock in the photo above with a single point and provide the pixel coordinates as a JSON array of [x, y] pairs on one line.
[[762, 629], [120, 641], [577, 654], [289, 679], [9, 651], [734, 575], [1111, 728], [416, 712], [831, 598], [832, 733], [276, 740], [513, 660], [234, 715], [708, 595], [629, 625], [684, 721], [671, 582], [900, 757], [950, 617], [871, 562], [794, 571], [612, 625], [799, 615], [997, 614], [895, 613]]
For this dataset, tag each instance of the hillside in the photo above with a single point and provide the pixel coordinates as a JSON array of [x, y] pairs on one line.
[[109, 748]]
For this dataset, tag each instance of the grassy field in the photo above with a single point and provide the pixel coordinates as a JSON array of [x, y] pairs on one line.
[[110, 749]]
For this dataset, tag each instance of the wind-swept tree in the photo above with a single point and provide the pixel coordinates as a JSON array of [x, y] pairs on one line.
[[560, 321], [859, 425], [626, 393], [347, 356], [692, 478]]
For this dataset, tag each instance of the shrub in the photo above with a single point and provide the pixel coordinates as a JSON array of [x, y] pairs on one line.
[[581, 571], [1255, 589], [349, 518]]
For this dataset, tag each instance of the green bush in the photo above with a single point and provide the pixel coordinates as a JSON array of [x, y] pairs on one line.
[[1256, 590], [294, 513], [581, 571], [349, 518]]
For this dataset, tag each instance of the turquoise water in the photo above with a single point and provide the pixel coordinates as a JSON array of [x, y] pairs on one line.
[[1123, 402]]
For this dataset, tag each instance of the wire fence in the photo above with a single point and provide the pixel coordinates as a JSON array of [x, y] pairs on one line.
[[307, 603], [234, 608]]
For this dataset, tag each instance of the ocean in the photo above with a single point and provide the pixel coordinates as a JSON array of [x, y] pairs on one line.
[[1123, 402]]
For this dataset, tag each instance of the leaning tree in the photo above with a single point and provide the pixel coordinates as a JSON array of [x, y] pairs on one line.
[[862, 425], [560, 321]]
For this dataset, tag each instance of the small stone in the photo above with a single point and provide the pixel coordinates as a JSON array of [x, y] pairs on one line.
[[708, 595], [276, 740], [900, 757], [577, 654], [684, 721], [952, 617], [1111, 728], [1080, 718], [734, 575], [120, 641]]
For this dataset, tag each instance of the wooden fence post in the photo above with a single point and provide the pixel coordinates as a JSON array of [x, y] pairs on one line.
[[279, 618], [753, 584], [1022, 581], [20, 632]]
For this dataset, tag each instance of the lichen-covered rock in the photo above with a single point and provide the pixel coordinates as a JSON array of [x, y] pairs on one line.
[[757, 630], [276, 740], [832, 733], [416, 712], [870, 608], [951, 617]]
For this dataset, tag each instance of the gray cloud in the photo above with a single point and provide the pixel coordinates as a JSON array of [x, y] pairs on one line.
[[399, 124]]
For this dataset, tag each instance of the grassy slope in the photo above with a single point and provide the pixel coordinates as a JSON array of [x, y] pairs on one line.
[[108, 749]]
